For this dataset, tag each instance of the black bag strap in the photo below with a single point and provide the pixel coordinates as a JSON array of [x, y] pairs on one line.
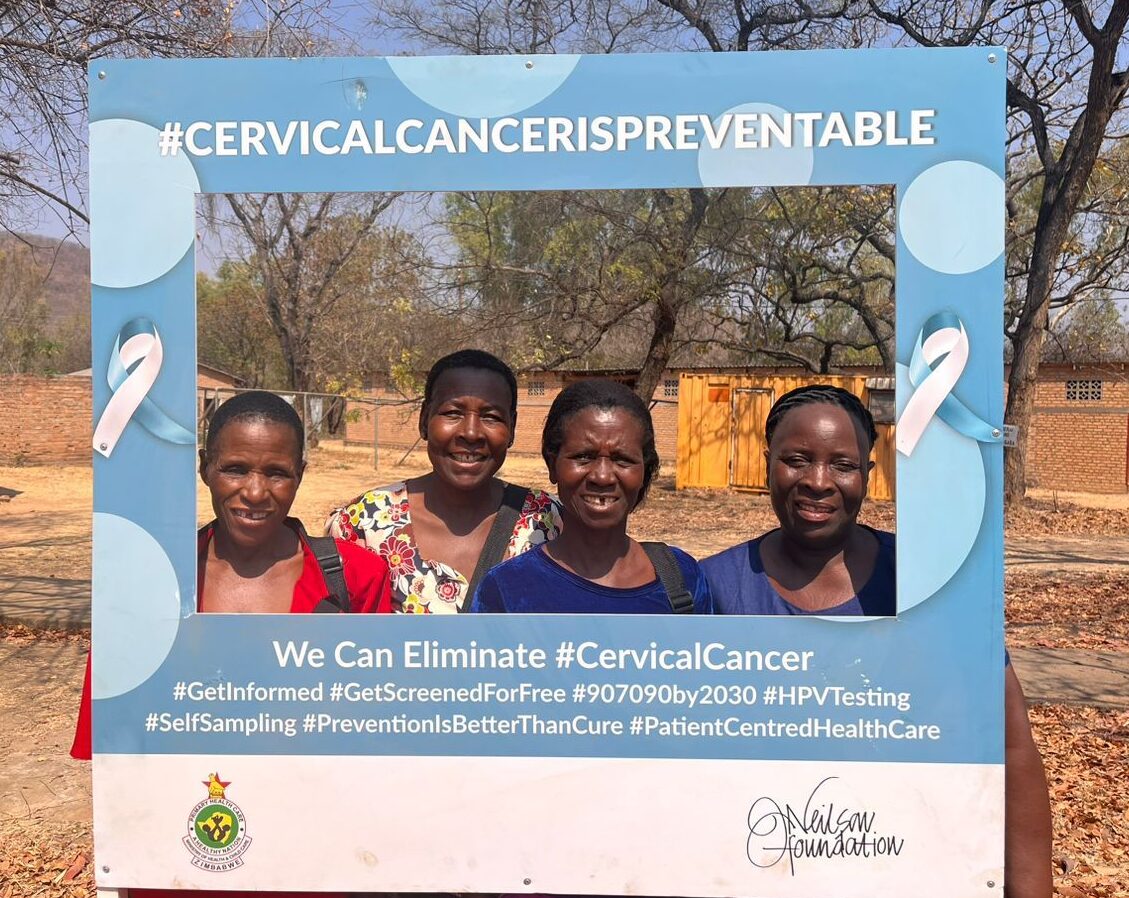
[[670, 576], [513, 500], [333, 571]]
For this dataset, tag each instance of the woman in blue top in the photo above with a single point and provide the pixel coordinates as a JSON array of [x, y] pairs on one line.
[[599, 446], [822, 561]]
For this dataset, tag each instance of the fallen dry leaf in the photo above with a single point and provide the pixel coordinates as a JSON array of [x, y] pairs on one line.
[[75, 868], [1035, 517], [1079, 611]]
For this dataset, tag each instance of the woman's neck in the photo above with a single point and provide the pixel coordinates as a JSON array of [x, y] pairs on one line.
[[589, 553], [817, 577], [457, 507], [254, 561], [813, 559]]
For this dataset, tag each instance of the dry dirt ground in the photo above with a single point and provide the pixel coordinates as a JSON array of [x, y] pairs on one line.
[[45, 839]]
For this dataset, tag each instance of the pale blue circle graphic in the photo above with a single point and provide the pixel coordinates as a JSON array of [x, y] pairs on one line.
[[137, 605], [767, 166], [483, 86], [142, 204], [941, 495], [952, 217]]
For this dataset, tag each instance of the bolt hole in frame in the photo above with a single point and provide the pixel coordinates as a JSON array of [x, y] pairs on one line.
[[487, 792]]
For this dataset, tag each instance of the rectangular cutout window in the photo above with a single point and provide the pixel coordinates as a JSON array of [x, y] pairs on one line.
[[881, 404]]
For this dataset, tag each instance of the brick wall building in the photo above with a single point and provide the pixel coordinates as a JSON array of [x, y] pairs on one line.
[[44, 420], [1080, 434], [49, 420]]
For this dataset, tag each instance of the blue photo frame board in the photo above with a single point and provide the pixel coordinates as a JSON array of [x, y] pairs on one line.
[[654, 755]]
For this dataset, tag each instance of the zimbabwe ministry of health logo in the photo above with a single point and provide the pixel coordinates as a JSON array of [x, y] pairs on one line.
[[217, 830]]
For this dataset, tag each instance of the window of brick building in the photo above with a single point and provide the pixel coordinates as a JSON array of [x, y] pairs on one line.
[[670, 388], [881, 405], [535, 388], [1083, 391]]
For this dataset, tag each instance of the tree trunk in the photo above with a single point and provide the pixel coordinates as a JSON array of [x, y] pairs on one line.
[[1020, 409], [665, 319], [1064, 184], [670, 298]]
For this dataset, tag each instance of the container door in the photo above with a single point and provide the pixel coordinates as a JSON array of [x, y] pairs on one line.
[[750, 409]]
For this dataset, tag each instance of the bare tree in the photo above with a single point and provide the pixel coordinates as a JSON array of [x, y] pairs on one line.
[[1067, 83], [45, 48], [1089, 331], [564, 276], [668, 222], [25, 343], [312, 254], [694, 272], [812, 279], [489, 27]]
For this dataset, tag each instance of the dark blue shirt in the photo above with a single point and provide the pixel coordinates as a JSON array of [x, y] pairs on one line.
[[532, 583], [739, 584]]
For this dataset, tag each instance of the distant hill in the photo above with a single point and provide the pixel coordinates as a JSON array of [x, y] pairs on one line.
[[65, 268]]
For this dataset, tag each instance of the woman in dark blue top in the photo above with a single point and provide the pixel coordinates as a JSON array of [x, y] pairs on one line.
[[822, 561], [599, 446]]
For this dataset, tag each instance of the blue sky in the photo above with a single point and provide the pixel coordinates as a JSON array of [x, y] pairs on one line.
[[348, 23]]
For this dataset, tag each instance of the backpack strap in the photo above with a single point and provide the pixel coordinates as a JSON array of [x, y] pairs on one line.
[[670, 576], [513, 500], [332, 571]]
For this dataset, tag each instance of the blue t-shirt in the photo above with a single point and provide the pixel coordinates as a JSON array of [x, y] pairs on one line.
[[739, 584], [533, 583]]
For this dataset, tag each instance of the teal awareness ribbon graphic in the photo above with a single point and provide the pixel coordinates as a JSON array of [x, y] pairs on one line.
[[939, 358], [134, 366]]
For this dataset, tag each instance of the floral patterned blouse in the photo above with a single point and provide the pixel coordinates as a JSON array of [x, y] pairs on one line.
[[381, 521]]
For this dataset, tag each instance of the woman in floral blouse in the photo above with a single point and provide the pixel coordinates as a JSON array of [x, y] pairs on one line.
[[432, 529]]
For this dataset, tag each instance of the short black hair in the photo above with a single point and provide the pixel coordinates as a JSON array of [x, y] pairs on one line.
[[823, 393], [476, 359], [254, 405], [603, 394]]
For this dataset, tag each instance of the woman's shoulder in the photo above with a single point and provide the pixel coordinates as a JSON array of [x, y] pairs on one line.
[[739, 558], [538, 522], [694, 579], [517, 567], [367, 577], [377, 495], [685, 559], [376, 512], [541, 502], [886, 539], [519, 575], [359, 557]]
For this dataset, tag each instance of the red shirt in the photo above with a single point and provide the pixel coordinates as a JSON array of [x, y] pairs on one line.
[[368, 582]]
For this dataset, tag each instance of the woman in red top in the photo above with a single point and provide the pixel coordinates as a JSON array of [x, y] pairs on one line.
[[253, 558]]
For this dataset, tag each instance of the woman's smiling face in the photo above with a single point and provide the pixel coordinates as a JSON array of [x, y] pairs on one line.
[[599, 471], [468, 426], [253, 472], [818, 465]]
